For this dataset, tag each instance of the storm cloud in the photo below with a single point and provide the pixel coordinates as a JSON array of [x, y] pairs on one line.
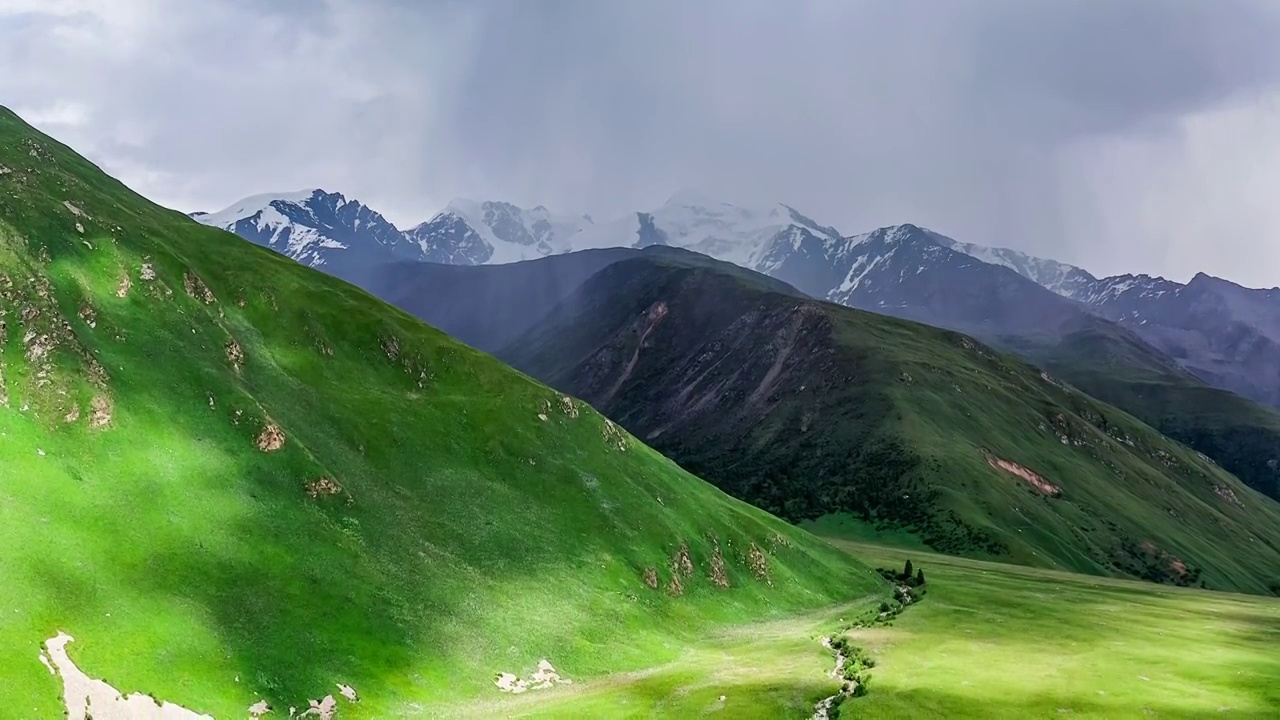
[[1122, 135]]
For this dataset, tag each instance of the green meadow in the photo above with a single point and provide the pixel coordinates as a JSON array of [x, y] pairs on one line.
[[987, 641]]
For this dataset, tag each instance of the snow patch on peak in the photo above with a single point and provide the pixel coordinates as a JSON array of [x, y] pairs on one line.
[[1147, 287], [511, 233], [740, 235], [254, 204], [860, 270], [1059, 277], [901, 233], [463, 207]]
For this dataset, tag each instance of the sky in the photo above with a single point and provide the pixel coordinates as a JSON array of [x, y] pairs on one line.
[[1120, 135]]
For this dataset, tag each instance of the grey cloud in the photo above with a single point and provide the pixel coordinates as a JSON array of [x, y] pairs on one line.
[[1048, 126]]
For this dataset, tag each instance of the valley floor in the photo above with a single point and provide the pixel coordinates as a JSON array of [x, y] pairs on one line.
[[988, 641], [994, 641], [764, 670]]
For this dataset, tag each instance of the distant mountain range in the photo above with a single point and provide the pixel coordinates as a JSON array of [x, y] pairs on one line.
[[325, 230], [1222, 333]]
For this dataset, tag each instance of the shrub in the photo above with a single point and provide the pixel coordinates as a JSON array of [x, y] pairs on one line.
[[884, 607], [920, 577]]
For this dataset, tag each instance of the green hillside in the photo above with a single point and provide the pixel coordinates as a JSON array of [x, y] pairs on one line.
[[231, 478], [809, 409], [1238, 433]]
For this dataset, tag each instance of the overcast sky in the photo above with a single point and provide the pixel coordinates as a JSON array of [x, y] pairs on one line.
[[1122, 135]]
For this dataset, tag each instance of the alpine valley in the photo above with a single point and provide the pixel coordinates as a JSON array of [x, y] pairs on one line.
[[631, 472]]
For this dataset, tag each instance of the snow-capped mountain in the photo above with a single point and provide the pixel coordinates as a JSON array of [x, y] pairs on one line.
[[1059, 277], [469, 232], [317, 228], [775, 239], [912, 272], [760, 238]]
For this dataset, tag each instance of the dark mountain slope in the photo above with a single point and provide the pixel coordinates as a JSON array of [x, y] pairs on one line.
[[486, 306], [807, 408]]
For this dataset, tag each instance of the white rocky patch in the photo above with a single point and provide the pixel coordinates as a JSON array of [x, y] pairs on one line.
[[543, 678], [323, 708], [87, 698]]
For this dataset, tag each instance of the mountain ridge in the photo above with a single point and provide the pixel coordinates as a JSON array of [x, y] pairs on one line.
[[810, 408]]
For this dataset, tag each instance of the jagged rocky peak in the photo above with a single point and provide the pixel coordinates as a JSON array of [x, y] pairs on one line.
[[315, 227], [476, 232]]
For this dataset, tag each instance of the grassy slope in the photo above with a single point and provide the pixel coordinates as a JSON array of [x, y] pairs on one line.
[[469, 536], [889, 419], [1239, 434], [997, 641]]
